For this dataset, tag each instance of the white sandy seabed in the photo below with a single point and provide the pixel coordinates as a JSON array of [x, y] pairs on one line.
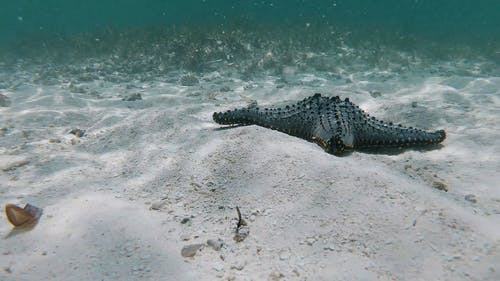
[[311, 215]]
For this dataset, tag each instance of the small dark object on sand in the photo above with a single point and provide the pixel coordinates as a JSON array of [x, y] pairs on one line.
[[132, 97], [242, 229], [4, 101], [77, 132]]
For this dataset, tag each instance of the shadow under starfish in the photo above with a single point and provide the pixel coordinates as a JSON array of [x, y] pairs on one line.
[[337, 125]]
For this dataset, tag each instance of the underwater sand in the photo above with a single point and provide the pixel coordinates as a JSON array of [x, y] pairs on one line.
[[311, 215]]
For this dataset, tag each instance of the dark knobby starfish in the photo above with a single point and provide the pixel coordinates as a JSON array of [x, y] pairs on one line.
[[336, 125]]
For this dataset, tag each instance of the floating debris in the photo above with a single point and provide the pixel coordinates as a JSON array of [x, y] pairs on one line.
[[27, 216]]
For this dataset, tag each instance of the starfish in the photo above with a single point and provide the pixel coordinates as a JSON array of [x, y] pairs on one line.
[[337, 125]]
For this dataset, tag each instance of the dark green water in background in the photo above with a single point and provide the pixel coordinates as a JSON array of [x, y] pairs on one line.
[[154, 36], [464, 20]]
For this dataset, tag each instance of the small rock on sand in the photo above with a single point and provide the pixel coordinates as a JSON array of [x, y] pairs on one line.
[[77, 132], [241, 234], [375, 94], [132, 97], [156, 205], [439, 185], [471, 198], [218, 267], [191, 250], [9, 163], [215, 244], [189, 80], [238, 266], [4, 101]]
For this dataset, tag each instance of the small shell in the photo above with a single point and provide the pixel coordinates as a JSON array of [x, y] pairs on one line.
[[20, 217]]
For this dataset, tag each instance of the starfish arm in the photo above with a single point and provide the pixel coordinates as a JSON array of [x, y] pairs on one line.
[[370, 132], [291, 119]]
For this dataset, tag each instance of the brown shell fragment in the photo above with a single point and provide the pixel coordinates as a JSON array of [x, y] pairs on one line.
[[18, 216]]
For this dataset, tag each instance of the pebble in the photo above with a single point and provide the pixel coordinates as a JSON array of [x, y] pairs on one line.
[[407, 167], [241, 234], [284, 255], [471, 198], [310, 241], [77, 89], [195, 184], [185, 220], [191, 250], [455, 257], [132, 97], [440, 185], [215, 244], [238, 266], [4, 101], [375, 94], [218, 267], [156, 205], [275, 276], [185, 237], [329, 248], [225, 89], [77, 132], [189, 80], [13, 164]]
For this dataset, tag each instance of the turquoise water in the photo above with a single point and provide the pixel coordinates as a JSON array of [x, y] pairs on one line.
[[192, 34], [472, 21]]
